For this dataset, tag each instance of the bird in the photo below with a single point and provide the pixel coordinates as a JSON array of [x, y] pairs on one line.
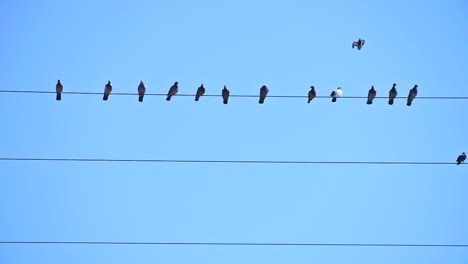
[[461, 159], [225, 94], [141, 91], [172, 91], [200, 92], [311, 94], [392, 94], [263, 94], [359, 44], [412, 94], [371, 95], [336, 93], [107, 90], [59, 90]]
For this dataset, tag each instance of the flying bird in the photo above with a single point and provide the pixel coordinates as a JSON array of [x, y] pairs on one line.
[[336, 93], [412, 94], [461, 159], [263, 94], [311, 94], [225, 94], [107, 90], [141, 91], [59, 90], [172, 91], [359, 44], [392, 94], [371, 95], [200, 92]]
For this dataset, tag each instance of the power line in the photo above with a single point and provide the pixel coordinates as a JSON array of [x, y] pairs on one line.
[[239, 95], [230, 161], [234, 244]]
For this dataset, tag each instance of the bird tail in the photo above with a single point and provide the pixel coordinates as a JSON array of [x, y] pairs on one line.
[[106, 96], [334, 99], [197, 97], [390, 101], [409, 102], [458, 162], [225, 101], [261, 100], [59, 97], [369, 101], [168, 98], [140, 98], [309, 101]]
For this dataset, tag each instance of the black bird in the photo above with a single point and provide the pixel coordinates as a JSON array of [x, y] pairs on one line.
[[263, 94], [107, 90], [172, 91], [412, 94], [371, 95], [392, 94], [200, 92], [461, 159], [225, 94], [311, 94], [59, 90], [141, 91], [359, 44]]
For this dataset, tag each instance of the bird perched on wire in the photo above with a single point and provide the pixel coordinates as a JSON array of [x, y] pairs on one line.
[[461, 159], [172, 91], [200, 92], [141, 91], [263, 94], [59, 90], [311, 94], [336, 93], [107, 90], [371, 95], [392, 94], [225, 94], [359, 44], [412, 94]]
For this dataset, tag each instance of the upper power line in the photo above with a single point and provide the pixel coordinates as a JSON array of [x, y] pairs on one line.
[[231, 161]]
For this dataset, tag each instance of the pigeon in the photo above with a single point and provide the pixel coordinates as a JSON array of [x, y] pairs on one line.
[[461, 158], [107, 90], [59, 90], [263, 94], [412, 94], [225, 94], [359, 44], [392, 94], [172, 91], [336, 93], [200, 92], [371, 95], [141, 91], [311, 94]]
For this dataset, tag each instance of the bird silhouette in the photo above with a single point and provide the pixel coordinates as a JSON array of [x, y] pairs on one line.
[[263, 94], [311, 94], [412, 94], [58, 90], [225, 94], [107, 90], [461, 159], [141, 91], [200, 92], [359, 44], [371, 95], [336, 93], [392, 94], [172, 91]]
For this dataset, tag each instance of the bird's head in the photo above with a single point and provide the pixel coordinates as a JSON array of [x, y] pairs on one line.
[[394, 84], [312, 87], [108, 82], [225, 87], [339, 88], [176, 83], [415, 86], [58, 81], [463, 153]]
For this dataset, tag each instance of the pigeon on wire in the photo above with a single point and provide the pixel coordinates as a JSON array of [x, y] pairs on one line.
[[312, 94], [141, 91], [107, 90], [461, 159], [59, 90], [336, 93], [359, 44], [371, 95], [263, 94], [392, 94], [200, 92], [412, 94], [225, 94], [172, 91]]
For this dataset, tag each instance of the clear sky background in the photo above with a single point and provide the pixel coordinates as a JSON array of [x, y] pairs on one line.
[[287, 45]]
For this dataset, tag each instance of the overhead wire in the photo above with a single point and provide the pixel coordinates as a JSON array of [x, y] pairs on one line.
[[234, 95], [235, 244], [228, 161]]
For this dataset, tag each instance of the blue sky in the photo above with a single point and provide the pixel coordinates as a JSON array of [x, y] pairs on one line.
[[286, 45]]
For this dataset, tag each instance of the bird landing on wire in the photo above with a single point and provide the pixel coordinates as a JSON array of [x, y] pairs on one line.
[[359, 44]]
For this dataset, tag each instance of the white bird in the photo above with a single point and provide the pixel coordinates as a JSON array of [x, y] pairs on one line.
[[336, 93]]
